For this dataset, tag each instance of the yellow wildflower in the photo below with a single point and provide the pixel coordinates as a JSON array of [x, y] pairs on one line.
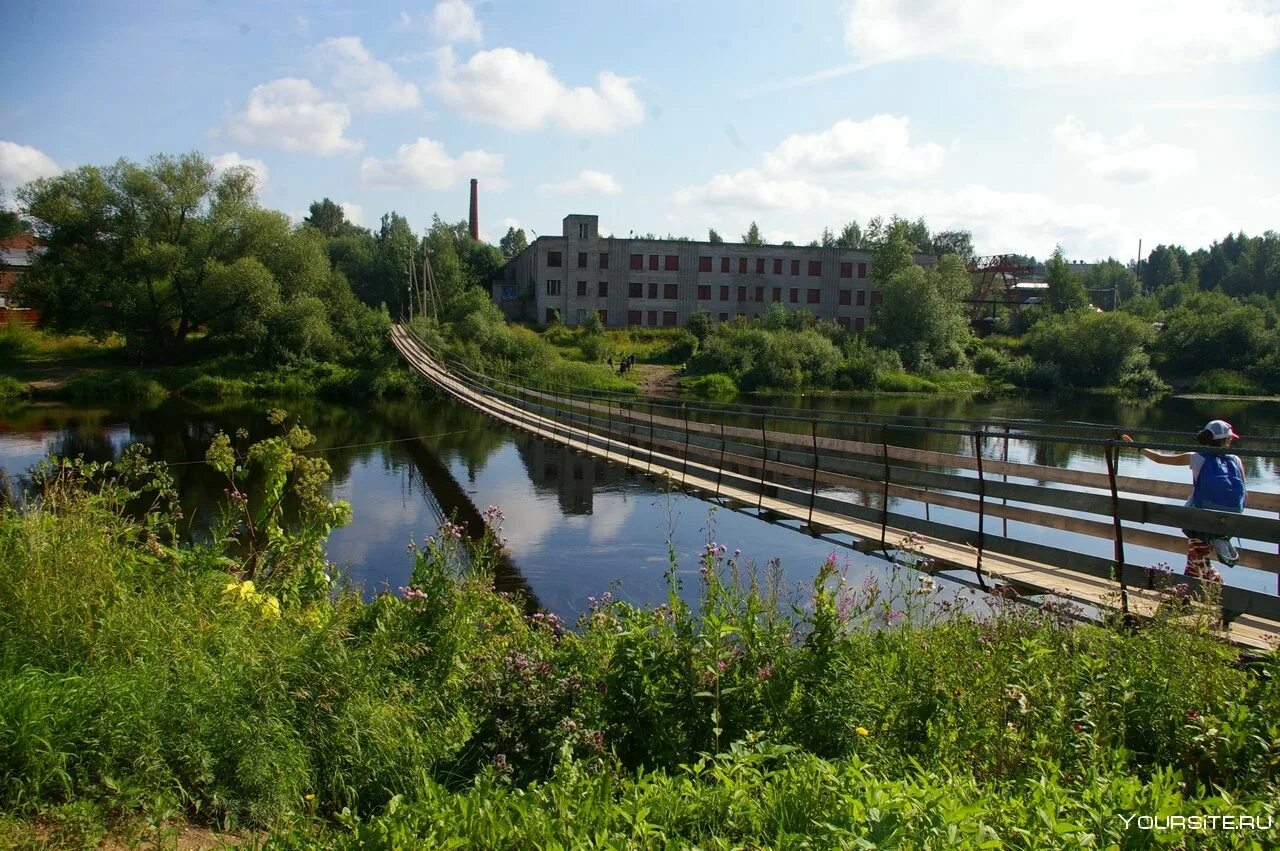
[[862, 731], [308, 797]]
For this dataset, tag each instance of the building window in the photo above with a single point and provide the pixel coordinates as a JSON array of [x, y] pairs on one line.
[[759, 265], [671, 291], [604, 316], [653, 289], [742, 265], [862, 270], [724, 292], [582, 287], [759, 293], [846, 270], [704, 264], [637, 262], [553, 287], [846, 296], [634, 317], [653, 262], [724, 317], [604, 260], [582, 259], [704, 292], [653, 317], [742, 293], [724, 264], [550, 316], [859, 324], [844, 322], [582, 230], [777, 293], [603, 291], [669, 318], [582, 316], [795, 296], [815, 268], [795, 267], [814, 296], [876, 297], [777, 266], [553, 258], [671, 263], [862, 298], [635, 289]]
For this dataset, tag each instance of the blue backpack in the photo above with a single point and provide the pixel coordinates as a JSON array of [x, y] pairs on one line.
[[1219, 486]]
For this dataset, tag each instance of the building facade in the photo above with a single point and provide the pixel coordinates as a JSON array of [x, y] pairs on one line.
[[657, 283]]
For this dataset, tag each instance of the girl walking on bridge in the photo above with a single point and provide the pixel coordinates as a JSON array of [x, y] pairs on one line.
[[1217, 484]]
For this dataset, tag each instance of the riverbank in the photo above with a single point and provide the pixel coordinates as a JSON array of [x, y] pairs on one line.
[[47, 367], [731, 721]]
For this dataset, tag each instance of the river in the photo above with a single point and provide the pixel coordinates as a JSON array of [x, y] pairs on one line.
[[576, 528]]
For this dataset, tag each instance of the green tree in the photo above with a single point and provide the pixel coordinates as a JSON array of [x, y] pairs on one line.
[[713, 237], [957, 242], [752, 236], [1210, 330], [1165, 267], [11, 223], [328, 218], [1112, 276], [1066, 289], [891, 254], [1094, 349], [700, 325], [850, 236], [922, 315], [513, 243], [828, 238]]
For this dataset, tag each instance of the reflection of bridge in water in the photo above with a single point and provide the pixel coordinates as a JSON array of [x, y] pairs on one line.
[[869, 482]]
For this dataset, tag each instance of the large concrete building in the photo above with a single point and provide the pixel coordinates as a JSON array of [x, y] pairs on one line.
[[662, 282]]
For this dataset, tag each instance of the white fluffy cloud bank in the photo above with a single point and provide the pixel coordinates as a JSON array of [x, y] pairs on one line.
[[293, 115], [1131, 36], [425, 163], [453, 21], [518, 91], [586, 182], [231, 159], [22, 163], [1127, 158], [366, 83]]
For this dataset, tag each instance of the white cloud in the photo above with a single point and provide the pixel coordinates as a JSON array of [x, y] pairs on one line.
[[353, 212], [292, 115], [880, 146], [751, 189], [222, 162], [1127, 158], [518, 91], [496, 231], [587, 181], [22, 163], [368, 84], [426, 163], [1132, 36], [454, 21], [1272, 202]]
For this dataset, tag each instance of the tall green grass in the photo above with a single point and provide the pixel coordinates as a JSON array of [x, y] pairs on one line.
[[141, 678]]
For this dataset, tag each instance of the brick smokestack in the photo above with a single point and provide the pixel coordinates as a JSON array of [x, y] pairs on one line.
[[475, 210]]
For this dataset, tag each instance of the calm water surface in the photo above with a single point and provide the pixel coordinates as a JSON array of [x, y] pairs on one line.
[[575, 527]]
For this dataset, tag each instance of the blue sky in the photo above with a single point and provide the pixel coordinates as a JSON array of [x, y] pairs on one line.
[[1090, 125]]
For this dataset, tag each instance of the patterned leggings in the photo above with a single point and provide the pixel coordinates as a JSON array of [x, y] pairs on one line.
[[1199, 551]]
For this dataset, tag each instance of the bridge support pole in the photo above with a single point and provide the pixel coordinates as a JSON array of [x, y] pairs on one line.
[[1112, 452], [982, 508], [884, 500], [813, 482], [764, 460]]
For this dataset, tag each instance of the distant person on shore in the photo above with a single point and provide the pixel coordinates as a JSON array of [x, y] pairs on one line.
[[1217, 484]]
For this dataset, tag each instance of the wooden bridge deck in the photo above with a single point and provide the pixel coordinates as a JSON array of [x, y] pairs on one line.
[[717, 460]]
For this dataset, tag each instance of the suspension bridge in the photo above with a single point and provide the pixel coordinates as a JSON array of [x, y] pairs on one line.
[[948, 490]]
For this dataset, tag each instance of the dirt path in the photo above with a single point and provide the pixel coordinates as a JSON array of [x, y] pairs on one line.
[[656, 379]]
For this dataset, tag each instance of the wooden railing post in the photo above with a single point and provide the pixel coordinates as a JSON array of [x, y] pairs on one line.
[[609, 435], [1004, 477], [884, 502], [649, 468], [684, 466], [764, 459], [1112, 452], [982, 509], [720, 466], [813, 482]]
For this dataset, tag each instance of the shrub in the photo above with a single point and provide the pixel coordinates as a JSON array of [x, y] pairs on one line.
[[1227, 383], [714, 386], [12, 389]]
